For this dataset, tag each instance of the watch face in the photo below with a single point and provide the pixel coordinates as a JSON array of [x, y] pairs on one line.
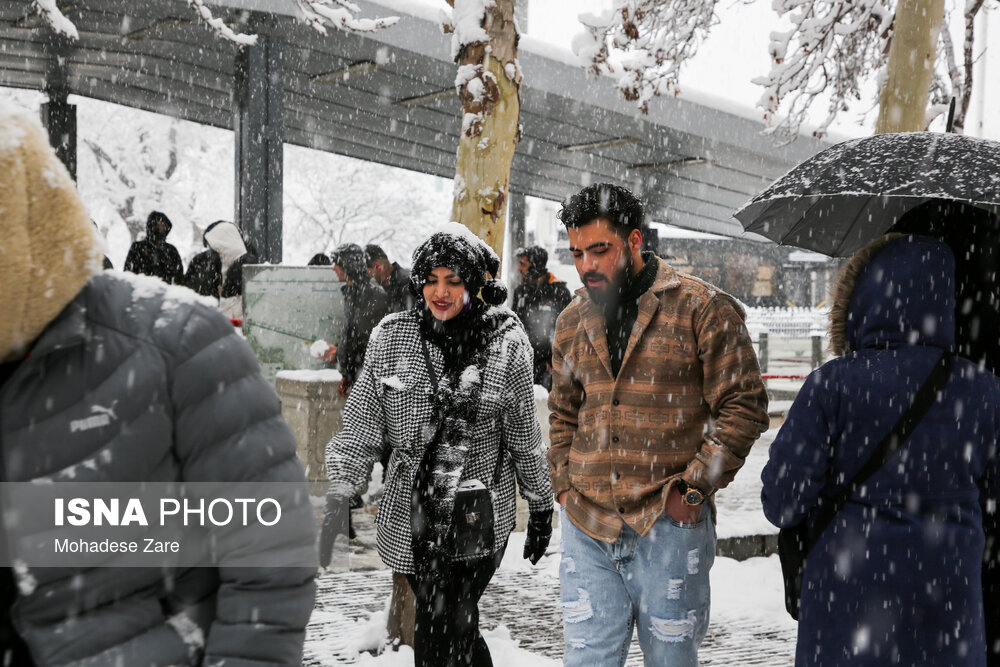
[[693, 497]]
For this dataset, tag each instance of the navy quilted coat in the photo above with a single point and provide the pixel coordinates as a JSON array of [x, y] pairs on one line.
[[895, 580]]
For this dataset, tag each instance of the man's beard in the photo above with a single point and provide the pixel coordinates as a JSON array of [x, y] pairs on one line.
[[610, 294]]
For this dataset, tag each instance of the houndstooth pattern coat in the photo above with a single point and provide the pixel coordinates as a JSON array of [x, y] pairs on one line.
[[390, 406]]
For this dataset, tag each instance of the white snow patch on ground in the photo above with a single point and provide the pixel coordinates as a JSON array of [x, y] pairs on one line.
[[322, 375]]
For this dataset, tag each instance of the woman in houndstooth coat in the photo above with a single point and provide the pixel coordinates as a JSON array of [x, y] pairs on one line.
[[448, 388]]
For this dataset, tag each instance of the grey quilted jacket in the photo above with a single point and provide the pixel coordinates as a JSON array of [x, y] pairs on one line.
[[189, 404], [390, 406]]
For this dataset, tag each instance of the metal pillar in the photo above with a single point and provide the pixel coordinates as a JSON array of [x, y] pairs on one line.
[[58, 115], [258, 128], [59, 118], [518, 213]]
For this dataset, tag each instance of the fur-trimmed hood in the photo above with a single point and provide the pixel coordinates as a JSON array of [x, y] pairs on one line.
[[898, 290], [50, 248]]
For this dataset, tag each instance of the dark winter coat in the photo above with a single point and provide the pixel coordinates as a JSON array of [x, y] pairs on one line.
[[195, 408], [204, 274], [390, 407], [538, 304], [398, 289], [896, 579], [155, 258], [365, 304]]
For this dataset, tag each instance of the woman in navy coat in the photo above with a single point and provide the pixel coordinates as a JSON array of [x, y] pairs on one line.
[[895, 579]]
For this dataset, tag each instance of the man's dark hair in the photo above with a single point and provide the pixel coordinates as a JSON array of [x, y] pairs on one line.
[[537, 256], [374, 253], [604, 200], [320, 259]]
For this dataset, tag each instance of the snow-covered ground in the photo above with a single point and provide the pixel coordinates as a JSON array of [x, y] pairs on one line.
[[749, 624], [520, 611]]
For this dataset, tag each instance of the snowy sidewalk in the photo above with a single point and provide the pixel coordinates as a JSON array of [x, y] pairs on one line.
[[522, 624], [520, 609]]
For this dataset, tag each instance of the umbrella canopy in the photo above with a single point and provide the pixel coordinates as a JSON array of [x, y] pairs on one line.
[[843, 197]]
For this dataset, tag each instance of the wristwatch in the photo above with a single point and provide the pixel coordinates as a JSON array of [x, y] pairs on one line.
[[690, 495]]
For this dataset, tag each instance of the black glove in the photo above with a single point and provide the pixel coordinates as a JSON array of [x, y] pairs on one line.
[[539, 534], [336, 521]]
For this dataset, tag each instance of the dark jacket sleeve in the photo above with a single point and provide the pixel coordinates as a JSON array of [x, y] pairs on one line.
[[175, 268], [228, 428], [233, 286], [133, 258], [798, 466], [370, 306], [203, 274]]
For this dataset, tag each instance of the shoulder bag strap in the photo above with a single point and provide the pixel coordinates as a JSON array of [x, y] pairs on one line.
[[922, 401]]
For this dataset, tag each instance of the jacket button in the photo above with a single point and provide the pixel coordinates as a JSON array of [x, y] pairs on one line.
[[615, 402], [621, 510], [614, 439]]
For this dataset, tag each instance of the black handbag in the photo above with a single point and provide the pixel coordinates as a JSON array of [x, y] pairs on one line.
[[795, 543], [471, 533]]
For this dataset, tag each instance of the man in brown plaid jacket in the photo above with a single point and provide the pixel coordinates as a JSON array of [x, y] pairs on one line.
[[656, 401]]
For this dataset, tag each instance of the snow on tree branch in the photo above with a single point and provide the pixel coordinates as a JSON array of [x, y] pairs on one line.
[[647, 40], [340, 14], [56, 19], [833, 46], [219, 26]]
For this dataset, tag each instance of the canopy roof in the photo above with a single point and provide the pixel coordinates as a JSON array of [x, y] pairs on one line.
[[388, 97]]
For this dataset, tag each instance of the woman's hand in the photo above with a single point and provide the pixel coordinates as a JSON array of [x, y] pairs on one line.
[[539, 534], [336, 521]]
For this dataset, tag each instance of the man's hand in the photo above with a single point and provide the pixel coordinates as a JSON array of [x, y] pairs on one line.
[[344, 388], [680, 511], [561, 499], [330, 356]]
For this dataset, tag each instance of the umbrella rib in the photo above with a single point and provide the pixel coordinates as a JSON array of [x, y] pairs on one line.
[[803, 218], [850, 228]]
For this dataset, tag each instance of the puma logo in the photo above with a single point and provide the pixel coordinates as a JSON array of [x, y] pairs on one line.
[[101, 416]]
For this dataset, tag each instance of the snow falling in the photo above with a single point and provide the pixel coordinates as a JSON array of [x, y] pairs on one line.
[[639, 331]]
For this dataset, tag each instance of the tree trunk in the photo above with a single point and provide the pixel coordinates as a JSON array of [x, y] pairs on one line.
[[903, 100], [402, 610], [489, 83]]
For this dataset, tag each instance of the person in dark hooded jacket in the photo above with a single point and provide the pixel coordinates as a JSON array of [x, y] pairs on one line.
[[972, 235], [218, 271], [116, 378], [538, 300], [153, 256], [365, 304], [895, 579]]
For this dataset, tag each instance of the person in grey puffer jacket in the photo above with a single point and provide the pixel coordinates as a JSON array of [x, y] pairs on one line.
[[178, 397]]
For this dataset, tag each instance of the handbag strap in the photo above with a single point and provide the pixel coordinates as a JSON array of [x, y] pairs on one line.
[[891, 443], [432, 374]]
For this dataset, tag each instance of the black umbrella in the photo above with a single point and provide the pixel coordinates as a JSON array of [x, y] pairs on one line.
[[843, 197]]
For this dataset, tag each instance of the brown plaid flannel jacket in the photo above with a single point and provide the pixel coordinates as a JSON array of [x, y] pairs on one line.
[[687, 404]]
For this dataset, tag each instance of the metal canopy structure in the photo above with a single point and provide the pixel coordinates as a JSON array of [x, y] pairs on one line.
[[388, 97]]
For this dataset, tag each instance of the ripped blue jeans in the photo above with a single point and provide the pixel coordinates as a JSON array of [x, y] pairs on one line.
[[659, 583]]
